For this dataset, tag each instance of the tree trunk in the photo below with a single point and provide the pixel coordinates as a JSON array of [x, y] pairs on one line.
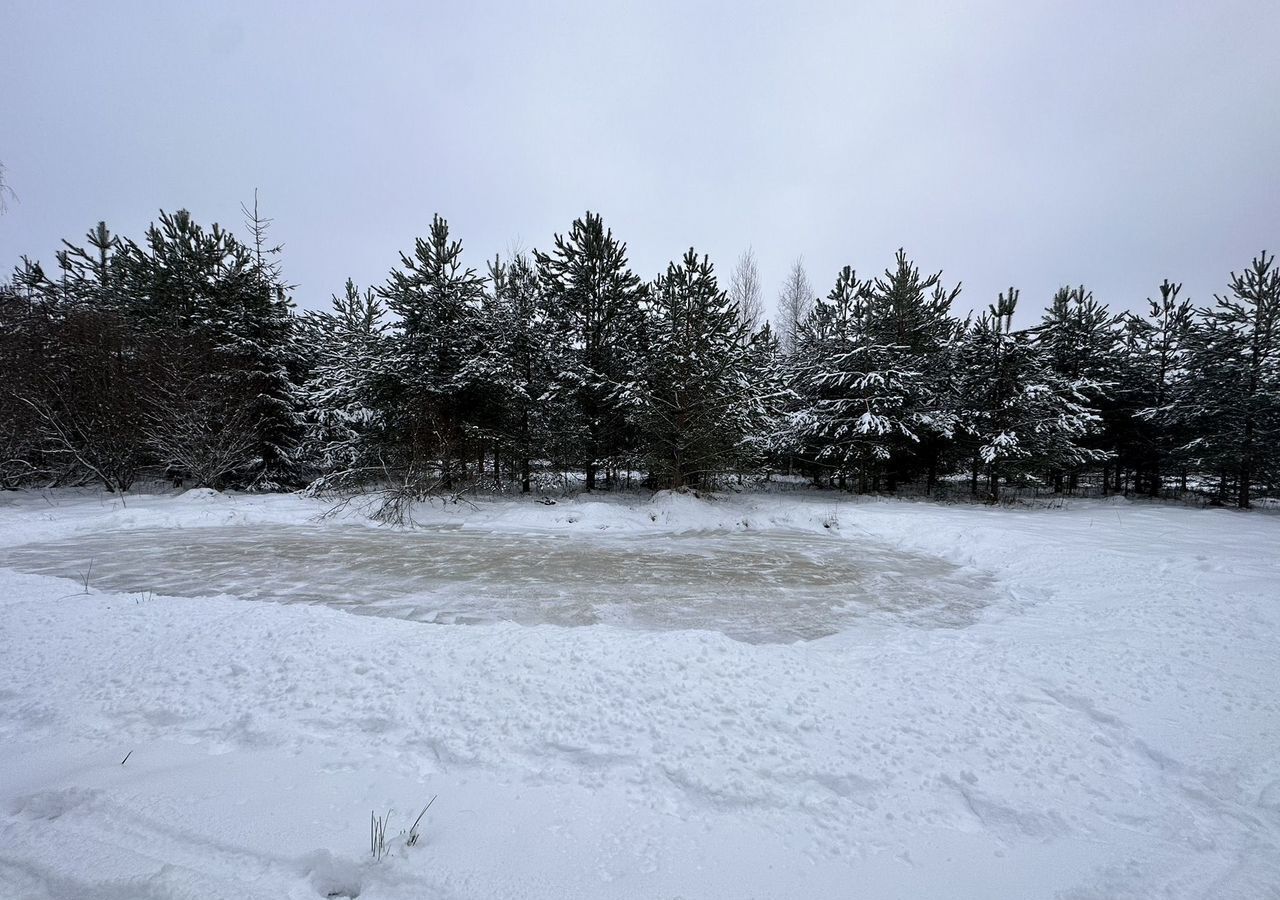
[[1246, 466], [524, 450]]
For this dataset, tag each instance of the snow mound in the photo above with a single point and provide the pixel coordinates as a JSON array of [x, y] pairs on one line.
[[202, 495]]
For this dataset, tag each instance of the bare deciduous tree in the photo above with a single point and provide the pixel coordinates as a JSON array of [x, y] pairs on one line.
[[5, 191], [744, 290], [193, 428], [81, 404], [795, 302]]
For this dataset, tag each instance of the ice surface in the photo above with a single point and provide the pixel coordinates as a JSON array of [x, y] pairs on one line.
[[760, 587]]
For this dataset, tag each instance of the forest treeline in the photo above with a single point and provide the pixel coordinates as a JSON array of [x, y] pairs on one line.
[[181, 353]]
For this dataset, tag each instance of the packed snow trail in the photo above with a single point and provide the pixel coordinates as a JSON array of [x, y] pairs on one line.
[[1106, 726]]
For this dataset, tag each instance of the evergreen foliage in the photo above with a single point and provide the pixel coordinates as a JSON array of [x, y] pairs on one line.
[[1155, 355], [852, 397], [176, 353], [910, 316], [345, 424], [698, 406], [1019, 415], [181, 354], [516, 364], [1230, 404], [595, 300], [427, 384], [1083, 344]]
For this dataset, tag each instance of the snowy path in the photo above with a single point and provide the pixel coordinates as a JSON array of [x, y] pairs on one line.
[[1107, 726]]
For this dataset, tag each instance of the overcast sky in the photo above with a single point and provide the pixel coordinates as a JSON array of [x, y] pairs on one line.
[[1024, 143]]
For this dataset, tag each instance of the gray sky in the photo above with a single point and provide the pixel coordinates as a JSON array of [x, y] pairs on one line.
[[1023, 143]]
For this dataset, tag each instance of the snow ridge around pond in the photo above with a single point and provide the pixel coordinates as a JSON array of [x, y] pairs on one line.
[[1099, 717]]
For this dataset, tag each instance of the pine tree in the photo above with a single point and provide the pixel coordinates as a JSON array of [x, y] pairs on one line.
[[910, 316], [437, 300], [1156, 347], [1232, 397], [699, 407], [767, 443], [852, 398], [90, 269], [1019, 416], [595, 299], [1083, 345], [345, 428], [223, 394], [515, 367]]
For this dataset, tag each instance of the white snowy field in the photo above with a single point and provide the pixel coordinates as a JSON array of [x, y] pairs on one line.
[[799, 696]]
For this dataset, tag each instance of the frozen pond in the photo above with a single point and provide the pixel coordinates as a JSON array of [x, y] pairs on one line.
[[760, 587]]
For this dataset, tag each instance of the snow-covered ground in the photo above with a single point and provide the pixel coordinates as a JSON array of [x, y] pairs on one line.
[[1078, 702]]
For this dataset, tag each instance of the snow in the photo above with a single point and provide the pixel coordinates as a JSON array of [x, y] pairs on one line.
[[1096, 715]]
